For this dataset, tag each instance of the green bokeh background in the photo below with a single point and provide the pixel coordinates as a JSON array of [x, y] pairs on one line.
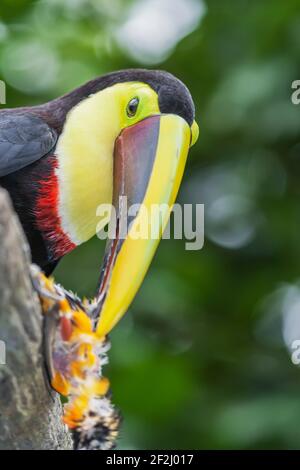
[[200, 360]]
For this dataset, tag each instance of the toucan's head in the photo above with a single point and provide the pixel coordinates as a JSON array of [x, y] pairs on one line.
[[125, 134]]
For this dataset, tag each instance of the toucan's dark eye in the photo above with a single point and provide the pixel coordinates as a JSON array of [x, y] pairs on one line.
[[132, 107]]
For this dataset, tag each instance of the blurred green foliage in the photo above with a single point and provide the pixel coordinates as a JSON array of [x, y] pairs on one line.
[[200, 360]]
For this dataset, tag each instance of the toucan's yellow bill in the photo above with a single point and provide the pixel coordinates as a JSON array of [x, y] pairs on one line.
[[149, 162]]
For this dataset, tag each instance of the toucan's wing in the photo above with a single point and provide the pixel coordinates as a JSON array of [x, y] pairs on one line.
[[24, 139]]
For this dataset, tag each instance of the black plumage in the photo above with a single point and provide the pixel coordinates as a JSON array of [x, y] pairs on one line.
[[24, 138]]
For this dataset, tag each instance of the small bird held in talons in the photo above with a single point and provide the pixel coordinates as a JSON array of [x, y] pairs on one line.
[[126, 134], [74, 358]]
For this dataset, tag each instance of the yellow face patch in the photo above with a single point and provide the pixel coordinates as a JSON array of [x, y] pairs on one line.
[[85, 153]]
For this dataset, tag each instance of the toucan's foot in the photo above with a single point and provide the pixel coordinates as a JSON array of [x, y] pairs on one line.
[[74, 356]]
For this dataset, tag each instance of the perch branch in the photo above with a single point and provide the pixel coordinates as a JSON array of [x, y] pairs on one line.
[[30, 415]]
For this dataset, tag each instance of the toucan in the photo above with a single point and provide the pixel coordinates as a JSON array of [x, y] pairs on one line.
[[126, 133]]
